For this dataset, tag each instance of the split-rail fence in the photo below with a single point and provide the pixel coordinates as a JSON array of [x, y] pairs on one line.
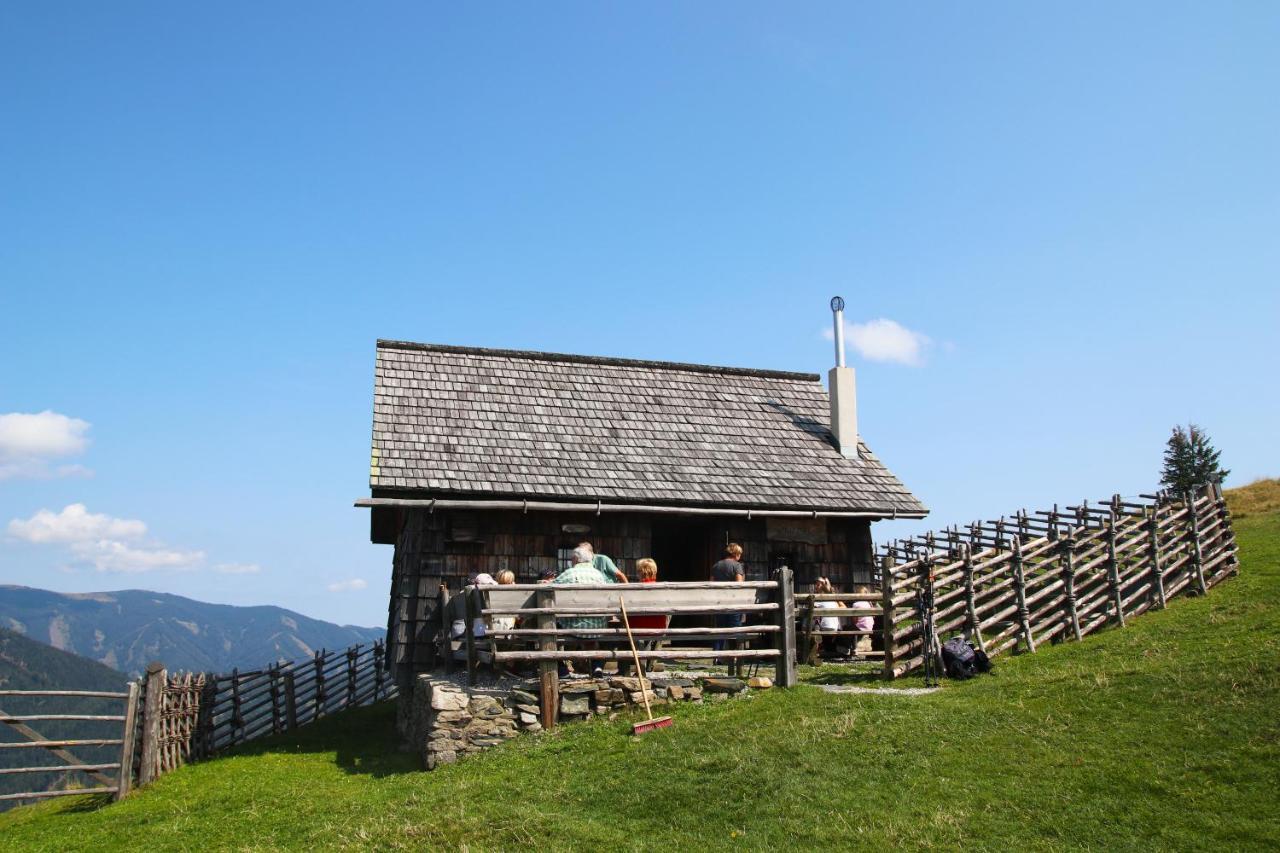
[[166, 720], [1048, 576]]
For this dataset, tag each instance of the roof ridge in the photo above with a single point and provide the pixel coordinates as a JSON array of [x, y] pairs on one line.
[[600, 359]]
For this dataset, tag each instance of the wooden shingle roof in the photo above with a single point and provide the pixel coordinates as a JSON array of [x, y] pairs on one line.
[[455, 421]]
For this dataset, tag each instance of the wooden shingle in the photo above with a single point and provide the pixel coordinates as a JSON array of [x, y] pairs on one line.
[[500, 423]]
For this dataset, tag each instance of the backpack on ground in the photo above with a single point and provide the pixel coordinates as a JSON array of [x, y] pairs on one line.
[[961, 660]]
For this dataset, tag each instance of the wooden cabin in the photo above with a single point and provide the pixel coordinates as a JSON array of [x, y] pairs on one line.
[[487, 459]]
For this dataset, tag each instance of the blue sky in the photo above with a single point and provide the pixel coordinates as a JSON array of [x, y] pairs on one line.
[[209, 214]]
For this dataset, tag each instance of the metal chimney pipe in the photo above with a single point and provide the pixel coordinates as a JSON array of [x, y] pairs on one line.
[[842, 391], [837, 308]]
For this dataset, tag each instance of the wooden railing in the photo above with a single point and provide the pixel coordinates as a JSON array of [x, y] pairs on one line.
[[116, 739], [808, 615], [1052, 575], [767, 632], [199, 715], [168, 720]]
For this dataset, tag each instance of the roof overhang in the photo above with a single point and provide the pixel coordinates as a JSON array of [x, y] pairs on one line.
[[600, 507]]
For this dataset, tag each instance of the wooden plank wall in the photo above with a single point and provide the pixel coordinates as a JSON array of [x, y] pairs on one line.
[[432, 550], [1053, 575]]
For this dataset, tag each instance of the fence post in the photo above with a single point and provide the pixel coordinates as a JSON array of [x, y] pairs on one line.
[[152, 708], [1224, 514], [124, 778], [975, 627], [1113, 568], [290, 701], [237, 721], [1153, 545], [320, 698], [1068, 557], [548, 670], [378, 662], [471, 615], [1020, 591], [446, 629], [351, 677], [886, 617], [785, 673], [209, 695], [1197, 556], [274, 675]]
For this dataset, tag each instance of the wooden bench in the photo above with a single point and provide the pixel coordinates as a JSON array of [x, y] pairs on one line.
[[538, 607]]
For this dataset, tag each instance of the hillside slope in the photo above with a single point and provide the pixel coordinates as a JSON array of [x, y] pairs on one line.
[[126, 630], [27, 664], [1162, 735]]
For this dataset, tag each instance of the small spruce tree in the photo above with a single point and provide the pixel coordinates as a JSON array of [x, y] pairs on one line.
[[1190, 460]]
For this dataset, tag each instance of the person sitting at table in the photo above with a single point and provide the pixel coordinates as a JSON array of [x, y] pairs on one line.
[[827, 646], [646, 572], [863, 623], [582, 572], [504, 623]]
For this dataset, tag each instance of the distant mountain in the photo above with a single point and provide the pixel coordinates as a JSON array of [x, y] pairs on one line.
[[27, 664], [127, 630]]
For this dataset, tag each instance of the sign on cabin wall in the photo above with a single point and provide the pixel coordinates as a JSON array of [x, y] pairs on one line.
[[812, 531]]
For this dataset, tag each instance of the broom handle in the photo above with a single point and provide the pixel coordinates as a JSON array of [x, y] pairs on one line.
[[635, 656]]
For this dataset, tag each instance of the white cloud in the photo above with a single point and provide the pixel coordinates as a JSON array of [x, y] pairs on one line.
[[237, 568], [106, 543], [75, 524], [29, 441], [348, 585], [107, 555], [885, 340]]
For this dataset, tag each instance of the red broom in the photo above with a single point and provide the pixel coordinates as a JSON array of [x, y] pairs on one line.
[[653, 722]]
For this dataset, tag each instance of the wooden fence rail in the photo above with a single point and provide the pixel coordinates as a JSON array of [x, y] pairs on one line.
[[1048, 576], [168, 719], [199, 715], [116, 740], [550, 624]]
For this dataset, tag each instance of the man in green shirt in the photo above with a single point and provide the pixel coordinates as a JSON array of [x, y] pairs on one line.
[[582, 571], [604, 565]]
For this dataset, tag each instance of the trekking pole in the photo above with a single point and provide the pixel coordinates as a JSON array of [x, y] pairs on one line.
[[930, 662]]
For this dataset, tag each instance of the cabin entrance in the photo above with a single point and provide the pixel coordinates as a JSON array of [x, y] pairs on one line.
[[683, 549]]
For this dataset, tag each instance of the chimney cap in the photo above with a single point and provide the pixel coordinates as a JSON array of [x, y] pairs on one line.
[[837, 303]]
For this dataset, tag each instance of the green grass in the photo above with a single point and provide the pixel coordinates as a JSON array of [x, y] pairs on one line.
[[1161, 735]]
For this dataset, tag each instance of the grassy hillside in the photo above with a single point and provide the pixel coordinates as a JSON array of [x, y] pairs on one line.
[[128, 629], [1163, 735]]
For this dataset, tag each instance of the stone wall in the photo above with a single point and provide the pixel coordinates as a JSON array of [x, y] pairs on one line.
[[444, 720]]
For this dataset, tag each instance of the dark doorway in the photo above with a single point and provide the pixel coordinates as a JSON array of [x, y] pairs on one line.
[[684, 551], [681, 547]]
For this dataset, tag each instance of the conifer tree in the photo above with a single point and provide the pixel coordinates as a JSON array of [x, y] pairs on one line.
[[1190, 460]]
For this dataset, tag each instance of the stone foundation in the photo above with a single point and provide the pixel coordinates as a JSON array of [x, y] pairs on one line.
[[444, 720]]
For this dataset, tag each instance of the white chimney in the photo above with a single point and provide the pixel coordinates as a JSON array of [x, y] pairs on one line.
[[841, 388]]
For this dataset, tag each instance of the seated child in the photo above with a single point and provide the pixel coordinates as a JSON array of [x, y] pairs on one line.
[[863, 623]]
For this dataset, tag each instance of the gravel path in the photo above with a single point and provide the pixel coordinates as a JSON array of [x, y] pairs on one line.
[[879, 691]]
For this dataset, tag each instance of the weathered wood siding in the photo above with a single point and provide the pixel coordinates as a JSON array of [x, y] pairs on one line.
[[447, 546]]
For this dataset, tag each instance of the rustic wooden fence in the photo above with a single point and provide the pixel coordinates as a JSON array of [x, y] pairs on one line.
[[98, 735], [1049, 576], [196, 715], [167, 720], [539, 612]]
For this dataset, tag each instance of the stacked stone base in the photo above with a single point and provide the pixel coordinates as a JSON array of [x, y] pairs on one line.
[[444, 721]]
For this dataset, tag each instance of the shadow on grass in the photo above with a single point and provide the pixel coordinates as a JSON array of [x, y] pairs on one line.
[[363, 740], [837, 674]]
